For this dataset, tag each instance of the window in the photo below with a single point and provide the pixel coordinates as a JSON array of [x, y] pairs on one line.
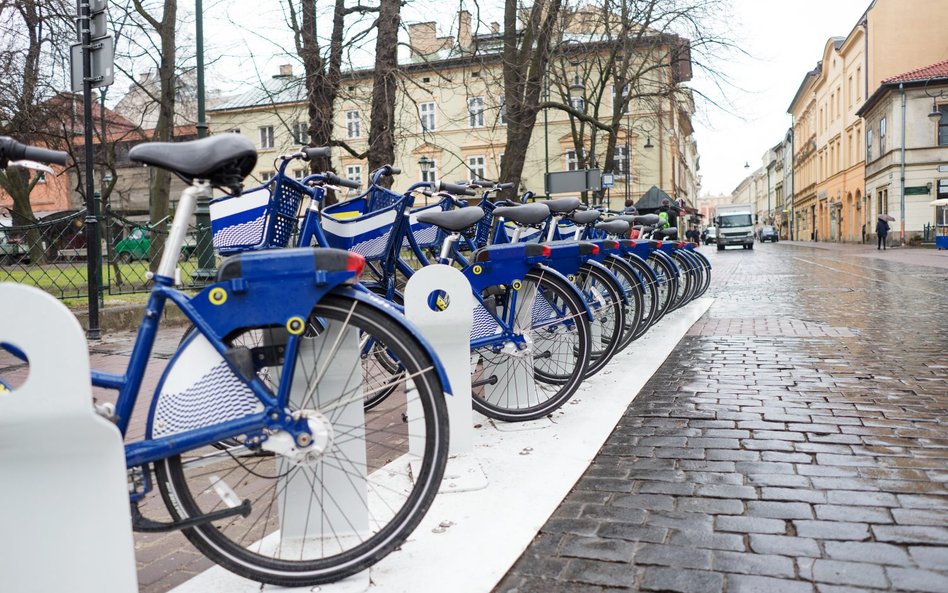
[[858, 83], [578, 103], [301, 133], [426, 112], [620, 162], [477, 167], [882, 136], [353, 125], [849, 95], [943, 189], [943, 126], [572, 163], [832, 115], [299, 174], [354, 173], [431, 175], [266, 175], [868, 145], [839, 101], [502, 117], [233, 131], [475, 112], [266, 137]]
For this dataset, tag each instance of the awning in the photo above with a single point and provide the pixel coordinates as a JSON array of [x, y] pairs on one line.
[[939, 202]]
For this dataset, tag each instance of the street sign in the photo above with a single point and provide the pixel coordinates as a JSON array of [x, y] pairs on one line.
[[608, 180], [917, 190], [102, 55], [564, 182]]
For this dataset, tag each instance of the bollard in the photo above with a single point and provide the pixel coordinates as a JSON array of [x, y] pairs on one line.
[[64, 506]]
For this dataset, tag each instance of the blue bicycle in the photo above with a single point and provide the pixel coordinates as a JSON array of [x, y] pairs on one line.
[[256, 435]]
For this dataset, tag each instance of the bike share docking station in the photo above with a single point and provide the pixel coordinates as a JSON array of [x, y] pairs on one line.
[[64, 498]]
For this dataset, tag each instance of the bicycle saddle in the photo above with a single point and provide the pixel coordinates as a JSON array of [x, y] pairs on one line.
[[223, 161], [585, 216], [563, 205], [646, 219], [669, 233], [613, 227], [526, 214], [626, 217], [452, 220]]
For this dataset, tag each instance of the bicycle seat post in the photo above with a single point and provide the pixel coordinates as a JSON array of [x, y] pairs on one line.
[[179, 226]]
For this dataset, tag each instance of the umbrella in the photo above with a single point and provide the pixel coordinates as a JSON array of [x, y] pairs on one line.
[[939, 202], [886, 218]]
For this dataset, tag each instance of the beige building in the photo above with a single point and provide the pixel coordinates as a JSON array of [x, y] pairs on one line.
[[450, 117]]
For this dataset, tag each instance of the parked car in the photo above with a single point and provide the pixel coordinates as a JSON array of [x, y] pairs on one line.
[[768, 233], [136, 245], [12, 250], [710, 236]]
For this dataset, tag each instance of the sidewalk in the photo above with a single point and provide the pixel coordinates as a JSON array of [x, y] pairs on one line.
[[918, 256]]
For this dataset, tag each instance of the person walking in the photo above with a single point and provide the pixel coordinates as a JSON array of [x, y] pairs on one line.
[[882, 231]]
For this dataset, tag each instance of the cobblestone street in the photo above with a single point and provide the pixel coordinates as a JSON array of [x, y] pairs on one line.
[[795, 441]]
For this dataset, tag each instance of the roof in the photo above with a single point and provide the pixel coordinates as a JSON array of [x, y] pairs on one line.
[[652, 199], [919, 77], [275, 91], [938, 70]]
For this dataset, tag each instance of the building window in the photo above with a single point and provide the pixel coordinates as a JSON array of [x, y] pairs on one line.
[[868, 145], [353, 125], [475, 112], [882, 136], [301, 133], [942, 189], [431, 174], [620, 162], [943, 126], [233, 131], [426, 111], [266, 137], [572, 163], [354, 173], [299, 174], [266, 175], [578, 103], [502, 117], [858, 83], [477, 166]]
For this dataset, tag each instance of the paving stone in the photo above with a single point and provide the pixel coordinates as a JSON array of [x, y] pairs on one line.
[[726, 491], [911, 534], [594, 572], [680, 488], [836, 530], [671, 555], [653, 502], [743, 524], [597, 549], [759, 564], [713, 506], [628, 531], [739, 583], [875, 553], [930, 557], [779, 510], [813, 496], [849, 573], [708, 540], [935, 518], [923, 502], [682, 581], [830, 512], [780, 480], [914, 579], [856, 498], [784, 545]]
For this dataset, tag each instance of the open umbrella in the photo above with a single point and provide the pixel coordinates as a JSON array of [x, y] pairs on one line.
[[939, 202], [887, 218]]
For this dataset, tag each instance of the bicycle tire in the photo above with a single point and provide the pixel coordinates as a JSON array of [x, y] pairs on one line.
[[706, 267], [689, 267], [388, 521], [604, 298], [553, 381], [650, 296], [634, 303], [685, 281], [667, 283]]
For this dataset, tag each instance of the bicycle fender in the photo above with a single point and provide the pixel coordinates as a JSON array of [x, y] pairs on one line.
[[575, 289], [397, 313]]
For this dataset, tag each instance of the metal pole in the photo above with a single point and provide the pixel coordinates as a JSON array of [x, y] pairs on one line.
[[202, 215], [546, 135], [628, 158], [94, 256]]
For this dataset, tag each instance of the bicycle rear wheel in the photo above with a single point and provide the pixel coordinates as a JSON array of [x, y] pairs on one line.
[[604, 297], [650, 295], [317, 521], [515, 385], [634, 304], [667, 283]]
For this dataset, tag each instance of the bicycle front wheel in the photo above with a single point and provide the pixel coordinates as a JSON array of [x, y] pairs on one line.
[[315, 521]]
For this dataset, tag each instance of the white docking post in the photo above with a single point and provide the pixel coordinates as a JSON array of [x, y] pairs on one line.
[[64, 507]]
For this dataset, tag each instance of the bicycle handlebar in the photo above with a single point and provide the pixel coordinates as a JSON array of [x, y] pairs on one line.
[[334, 179], [315, 152], [11, 150], [455, 188]]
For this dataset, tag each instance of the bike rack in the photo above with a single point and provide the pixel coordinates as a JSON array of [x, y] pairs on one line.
[[447, 328], [64, 505]]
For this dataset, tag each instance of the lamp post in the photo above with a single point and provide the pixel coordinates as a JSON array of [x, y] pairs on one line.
[[427, 166], [207, 264]]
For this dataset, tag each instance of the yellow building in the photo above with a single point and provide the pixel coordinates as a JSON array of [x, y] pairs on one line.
[[449, 113], [803, 111]]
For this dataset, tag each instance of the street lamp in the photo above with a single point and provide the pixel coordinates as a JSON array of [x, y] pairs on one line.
[[427, 166], [648, 142]]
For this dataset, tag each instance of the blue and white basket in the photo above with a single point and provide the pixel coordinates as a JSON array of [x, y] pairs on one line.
[[426, 235], [261, 218], [367, 224]]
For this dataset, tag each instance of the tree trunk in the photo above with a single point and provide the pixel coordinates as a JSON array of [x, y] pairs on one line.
[[382, 118]]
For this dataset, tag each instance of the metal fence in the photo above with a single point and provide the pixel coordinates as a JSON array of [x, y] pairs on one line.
[[52, 255]]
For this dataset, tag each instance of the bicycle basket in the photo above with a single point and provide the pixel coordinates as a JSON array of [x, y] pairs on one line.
[[426, 235], [262, 218], [352, 225], [482, 230]]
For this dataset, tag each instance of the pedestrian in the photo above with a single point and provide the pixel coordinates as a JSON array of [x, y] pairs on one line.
[[882, 230], [630, 208], [667, 217]]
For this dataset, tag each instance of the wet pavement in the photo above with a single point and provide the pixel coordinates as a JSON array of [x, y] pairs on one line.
[[796, 440]]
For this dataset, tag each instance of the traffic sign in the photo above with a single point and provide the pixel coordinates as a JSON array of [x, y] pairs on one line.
[[102, 56]]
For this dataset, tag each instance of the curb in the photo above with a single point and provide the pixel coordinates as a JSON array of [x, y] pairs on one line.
[[129, 317]]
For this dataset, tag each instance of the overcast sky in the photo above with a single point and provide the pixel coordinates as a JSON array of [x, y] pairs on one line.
[[782, 40]]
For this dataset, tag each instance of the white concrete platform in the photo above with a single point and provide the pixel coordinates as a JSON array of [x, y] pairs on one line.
[[470, 539]]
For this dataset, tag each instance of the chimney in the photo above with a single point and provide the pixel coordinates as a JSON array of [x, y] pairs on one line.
[[495, 27], [423, 39], [286, 71], [464, 30]]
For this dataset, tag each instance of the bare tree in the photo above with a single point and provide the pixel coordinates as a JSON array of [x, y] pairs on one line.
[[382, 118]]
